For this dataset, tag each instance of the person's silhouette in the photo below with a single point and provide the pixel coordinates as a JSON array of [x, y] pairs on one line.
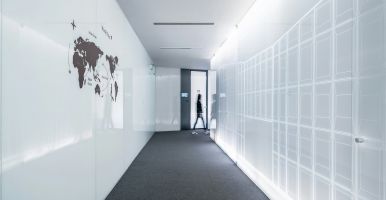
[[199, 112], [213, 112]]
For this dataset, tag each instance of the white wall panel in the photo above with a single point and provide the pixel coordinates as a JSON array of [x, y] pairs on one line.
[[326, 92], [59, 142], [168, 88], [1, 80]]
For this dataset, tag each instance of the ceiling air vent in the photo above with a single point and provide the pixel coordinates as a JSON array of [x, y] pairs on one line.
[[183, 23], [176, 48]]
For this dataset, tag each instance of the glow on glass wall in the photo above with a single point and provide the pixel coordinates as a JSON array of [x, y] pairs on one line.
[[306, 116]]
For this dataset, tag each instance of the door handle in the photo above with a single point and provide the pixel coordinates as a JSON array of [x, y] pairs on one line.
[[359, 140]]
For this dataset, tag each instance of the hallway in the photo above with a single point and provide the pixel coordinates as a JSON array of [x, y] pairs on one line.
[[95, 96], [179, 165]]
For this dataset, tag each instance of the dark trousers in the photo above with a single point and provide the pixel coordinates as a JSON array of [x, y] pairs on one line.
[[199, 115]]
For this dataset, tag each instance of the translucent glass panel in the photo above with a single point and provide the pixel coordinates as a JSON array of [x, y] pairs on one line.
[[323, 67], [293, 37], [283, 139], [371, 33], [306, 105], [276, 137], [276, 69], [323, 104], [367, 5], [268, 105], [342, 194], [322, 189], [307, 27], [283, 69], [305, 185], [292, 140], [322, 85], [306, 148], [283, 107], [292, 103], [343, 106], [283, 174], [323, 16], [370, 88], [292, 180], [276, 169], [344, 10], [323, 148], [292, 66], [343, 160], [344, 51], [263, 75], [270, 78], [276, 106], [306, 62]]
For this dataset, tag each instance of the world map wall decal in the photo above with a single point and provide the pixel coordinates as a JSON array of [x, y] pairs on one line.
[[94, 67]]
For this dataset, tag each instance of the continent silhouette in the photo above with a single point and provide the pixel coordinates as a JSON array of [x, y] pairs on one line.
[[86, 56]]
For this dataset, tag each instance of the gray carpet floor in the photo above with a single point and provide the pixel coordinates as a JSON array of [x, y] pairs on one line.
[[179, 165]]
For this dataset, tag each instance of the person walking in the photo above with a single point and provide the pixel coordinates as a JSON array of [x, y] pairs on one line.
[[199, 113]]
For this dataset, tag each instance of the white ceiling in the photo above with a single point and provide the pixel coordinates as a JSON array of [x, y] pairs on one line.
[[204, 40]]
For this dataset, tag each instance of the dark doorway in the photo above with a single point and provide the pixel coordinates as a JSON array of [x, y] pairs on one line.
[[192, 83]]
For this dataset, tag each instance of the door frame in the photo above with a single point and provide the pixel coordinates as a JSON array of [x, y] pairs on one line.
[[186, 88]]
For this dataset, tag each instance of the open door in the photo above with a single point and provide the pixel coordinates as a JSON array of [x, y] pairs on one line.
[[193, 82], [199, 86]]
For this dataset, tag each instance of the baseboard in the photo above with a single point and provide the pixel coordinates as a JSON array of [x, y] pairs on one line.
[[272, 192]]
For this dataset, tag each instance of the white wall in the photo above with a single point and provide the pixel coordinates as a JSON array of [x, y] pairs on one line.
[[1, 80], [289, 114], [212, 99], [57, 141], [168, 100]]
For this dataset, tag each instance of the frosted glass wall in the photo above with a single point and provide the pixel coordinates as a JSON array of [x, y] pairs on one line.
[[306, 116]]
